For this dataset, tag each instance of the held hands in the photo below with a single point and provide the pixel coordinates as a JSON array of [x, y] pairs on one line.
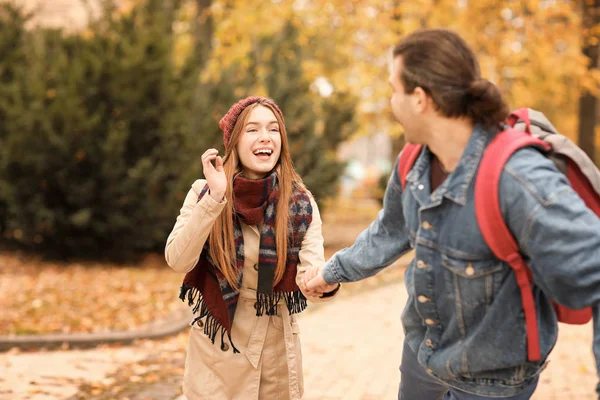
[[214, 174], [314, 284]]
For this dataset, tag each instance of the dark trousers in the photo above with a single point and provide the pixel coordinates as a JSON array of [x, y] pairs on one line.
[[416, 384]]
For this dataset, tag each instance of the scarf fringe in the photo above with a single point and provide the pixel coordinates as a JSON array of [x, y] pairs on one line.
[[211, 325], [266, 303], [296, 301]]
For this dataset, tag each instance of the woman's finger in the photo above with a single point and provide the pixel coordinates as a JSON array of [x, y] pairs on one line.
[[209, 152], [206, 161], [219, 164]]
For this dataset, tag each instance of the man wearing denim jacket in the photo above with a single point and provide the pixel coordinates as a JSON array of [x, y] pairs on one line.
[[464, 324]]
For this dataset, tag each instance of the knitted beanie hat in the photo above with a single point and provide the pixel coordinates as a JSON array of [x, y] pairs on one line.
[[230, 118]]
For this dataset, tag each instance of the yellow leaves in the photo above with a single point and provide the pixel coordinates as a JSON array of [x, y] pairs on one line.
[[561, 10], [530, 48], [312, 69], [33, 299], [242, 23], [127, 6], [183, 48], [87, 34]]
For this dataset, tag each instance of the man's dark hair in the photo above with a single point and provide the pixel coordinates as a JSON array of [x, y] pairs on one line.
[[442, 64]]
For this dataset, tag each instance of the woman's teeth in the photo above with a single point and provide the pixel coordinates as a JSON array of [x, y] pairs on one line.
[[263, 151], [263, 154]]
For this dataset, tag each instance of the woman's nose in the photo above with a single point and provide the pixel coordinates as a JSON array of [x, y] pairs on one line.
[[264, 136]]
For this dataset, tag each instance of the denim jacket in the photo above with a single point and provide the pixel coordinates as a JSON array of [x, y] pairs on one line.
[[464, 316]]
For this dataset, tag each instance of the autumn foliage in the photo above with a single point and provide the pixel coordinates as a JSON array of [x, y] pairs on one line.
[[101, 130]]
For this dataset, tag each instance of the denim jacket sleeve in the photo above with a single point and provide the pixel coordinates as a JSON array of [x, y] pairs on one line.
[[378, 246], [557, 233]]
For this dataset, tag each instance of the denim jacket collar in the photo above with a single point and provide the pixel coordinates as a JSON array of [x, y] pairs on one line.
[[456, 186]]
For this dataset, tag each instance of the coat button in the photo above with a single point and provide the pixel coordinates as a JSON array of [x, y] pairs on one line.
[[421, 187], [429, 321], [429, 371], [256, 305], [224, 346], [429, 343], [200, 323], [470, 271], [423, 299], [426, 225], [256, 267], [421, 264]]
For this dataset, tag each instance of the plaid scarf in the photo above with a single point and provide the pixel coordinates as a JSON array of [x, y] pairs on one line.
[[206, 287]]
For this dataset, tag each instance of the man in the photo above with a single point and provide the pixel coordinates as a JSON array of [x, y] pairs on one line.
[[465, 333]]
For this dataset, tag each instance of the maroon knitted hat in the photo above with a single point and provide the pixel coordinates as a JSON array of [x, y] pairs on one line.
[[228, 121]]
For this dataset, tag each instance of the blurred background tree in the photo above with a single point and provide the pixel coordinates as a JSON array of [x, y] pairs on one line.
[[90, 154], [101, 128], [537, 51]]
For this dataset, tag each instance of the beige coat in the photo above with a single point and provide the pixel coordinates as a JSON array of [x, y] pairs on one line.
[[269, 365]]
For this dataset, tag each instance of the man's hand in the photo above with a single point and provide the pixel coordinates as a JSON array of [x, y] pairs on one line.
[[315, 284]]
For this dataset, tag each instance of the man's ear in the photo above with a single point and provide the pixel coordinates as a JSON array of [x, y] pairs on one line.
[[421, 100]]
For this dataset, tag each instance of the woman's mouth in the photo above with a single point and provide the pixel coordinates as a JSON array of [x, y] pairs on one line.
[[263, 154]]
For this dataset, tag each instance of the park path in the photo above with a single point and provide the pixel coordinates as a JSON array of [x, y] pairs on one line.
[[351, 349]]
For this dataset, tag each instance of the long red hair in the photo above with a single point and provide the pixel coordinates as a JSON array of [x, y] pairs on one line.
[[221, 240]]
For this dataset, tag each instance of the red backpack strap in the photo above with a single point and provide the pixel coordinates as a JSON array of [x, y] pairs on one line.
[[409, 155], [493, 228], [520, 114]]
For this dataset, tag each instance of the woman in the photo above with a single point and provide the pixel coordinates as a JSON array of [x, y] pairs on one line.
[[244, 264]]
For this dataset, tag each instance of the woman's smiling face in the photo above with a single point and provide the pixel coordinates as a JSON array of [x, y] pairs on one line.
[[259, 146]]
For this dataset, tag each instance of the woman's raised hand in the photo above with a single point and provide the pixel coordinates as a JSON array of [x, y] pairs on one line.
[[214, 174]]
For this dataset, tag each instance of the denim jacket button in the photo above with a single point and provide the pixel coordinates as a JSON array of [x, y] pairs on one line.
[[429, 371], [426, 225], [470, 271], [429, 321], [423, 299], [421, 264], [421, 187]]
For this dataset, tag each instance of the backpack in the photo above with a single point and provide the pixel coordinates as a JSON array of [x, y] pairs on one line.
[[527, 128]]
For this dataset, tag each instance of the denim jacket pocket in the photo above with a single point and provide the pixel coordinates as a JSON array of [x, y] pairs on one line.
[[473, 282]]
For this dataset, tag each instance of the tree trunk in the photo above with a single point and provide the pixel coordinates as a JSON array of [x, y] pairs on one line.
[[587, 101], [203, 34], [203, 29]]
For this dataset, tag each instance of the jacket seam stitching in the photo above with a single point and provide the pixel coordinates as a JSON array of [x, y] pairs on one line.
[[533, 217], [528, 186]]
